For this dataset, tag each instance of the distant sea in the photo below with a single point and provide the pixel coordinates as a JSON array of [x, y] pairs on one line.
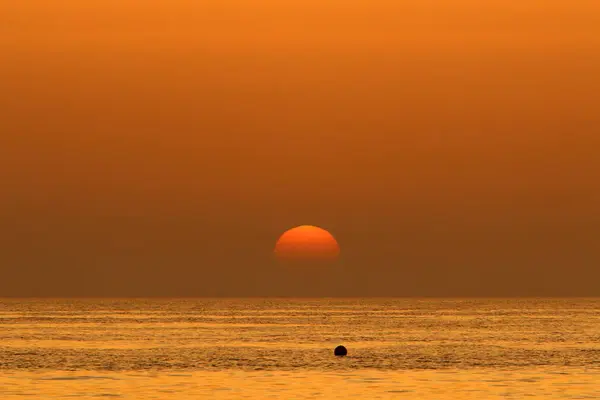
[[283, 349]]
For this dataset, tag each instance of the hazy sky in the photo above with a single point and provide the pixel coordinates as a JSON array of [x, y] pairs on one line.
[[160, 147]]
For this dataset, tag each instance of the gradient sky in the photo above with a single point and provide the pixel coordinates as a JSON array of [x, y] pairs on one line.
[[160, 147]]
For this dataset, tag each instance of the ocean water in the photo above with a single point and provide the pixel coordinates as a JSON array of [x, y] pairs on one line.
[[283, 349]]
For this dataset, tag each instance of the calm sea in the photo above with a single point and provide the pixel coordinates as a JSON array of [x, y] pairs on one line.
[[283, 349]]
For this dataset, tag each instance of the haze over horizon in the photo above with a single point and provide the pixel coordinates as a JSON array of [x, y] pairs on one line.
[[152, 148]]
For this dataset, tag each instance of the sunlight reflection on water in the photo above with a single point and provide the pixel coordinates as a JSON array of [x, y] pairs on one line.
[[404, 348]]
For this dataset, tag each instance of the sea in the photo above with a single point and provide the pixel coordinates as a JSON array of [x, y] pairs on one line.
[[435, 349]]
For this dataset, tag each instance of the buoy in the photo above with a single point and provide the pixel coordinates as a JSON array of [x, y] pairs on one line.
[[340, 351]]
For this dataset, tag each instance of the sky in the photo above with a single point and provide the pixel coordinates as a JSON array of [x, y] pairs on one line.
[[159, 148]]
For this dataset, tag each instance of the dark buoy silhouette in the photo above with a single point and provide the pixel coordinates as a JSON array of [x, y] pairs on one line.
[[340, 351]]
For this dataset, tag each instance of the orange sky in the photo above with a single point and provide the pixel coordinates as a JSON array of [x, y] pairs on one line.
[[161, 147]]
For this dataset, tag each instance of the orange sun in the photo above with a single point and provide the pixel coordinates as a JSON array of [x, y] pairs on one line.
[[307, 242]]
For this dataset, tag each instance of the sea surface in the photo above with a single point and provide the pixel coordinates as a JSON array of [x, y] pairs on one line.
[[283, 349]]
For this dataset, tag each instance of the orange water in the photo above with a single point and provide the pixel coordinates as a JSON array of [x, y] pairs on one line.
[[257, 349]]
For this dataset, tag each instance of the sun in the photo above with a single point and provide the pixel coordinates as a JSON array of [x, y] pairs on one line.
[[307, 242]]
